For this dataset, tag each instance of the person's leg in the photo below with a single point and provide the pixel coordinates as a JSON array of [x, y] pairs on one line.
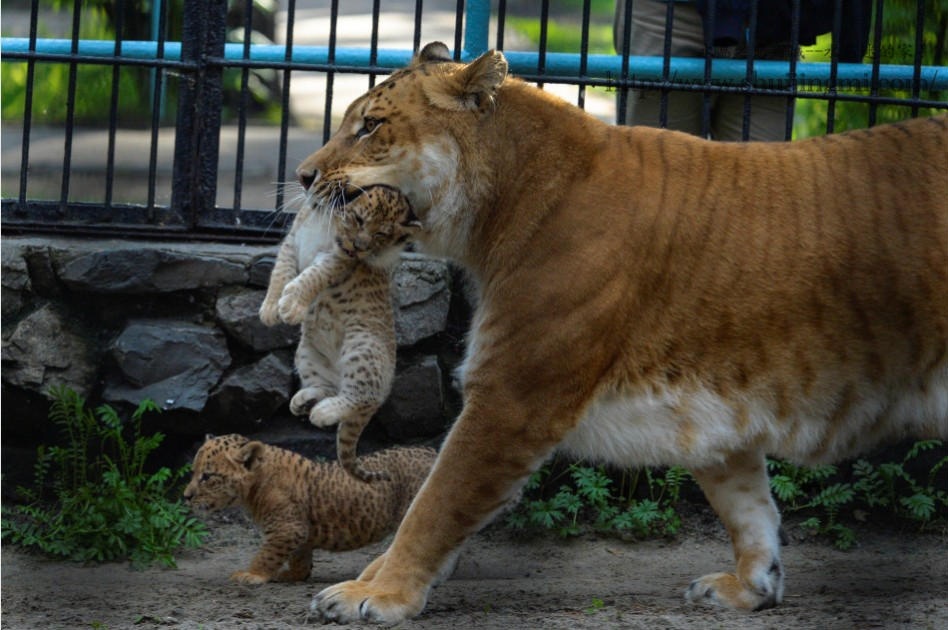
[[768, 118], [647, 38]]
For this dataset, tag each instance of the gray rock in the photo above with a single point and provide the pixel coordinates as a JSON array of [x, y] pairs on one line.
[[260, 271], [415, 408], [48, 348], [147, 270], [174, 363], [421, 295], [15, 281], [251, 393], [236, 311]]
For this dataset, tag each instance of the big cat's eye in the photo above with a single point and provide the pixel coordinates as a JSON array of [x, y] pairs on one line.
[[369, 125]]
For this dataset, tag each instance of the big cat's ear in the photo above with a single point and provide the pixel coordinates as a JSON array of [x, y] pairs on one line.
[[472, 87], [433, 52]]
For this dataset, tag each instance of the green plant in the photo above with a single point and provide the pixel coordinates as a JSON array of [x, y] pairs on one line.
[[93, 81], [105, 505], [596, 606], [587, 498], [897, 46], [886, 485]]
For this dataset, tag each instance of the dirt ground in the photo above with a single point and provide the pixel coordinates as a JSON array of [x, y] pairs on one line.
[[892, 580]]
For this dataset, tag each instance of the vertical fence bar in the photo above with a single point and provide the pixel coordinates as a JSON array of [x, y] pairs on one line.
[[244, 103], [919, 48], [285, 112], [792, 73], [544, 32], [113, 105], [70, 107], [666, 63], [157, 105], [416, 37], [330, 76], [458, 25], [708, 56], [501, 23], [583, 55], [374, 41], [749, 77], [622, 105], [28, 111], [834, 66], [876, 61], [197, 137]]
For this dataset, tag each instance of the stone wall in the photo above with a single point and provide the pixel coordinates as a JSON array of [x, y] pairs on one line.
[[120, 321]]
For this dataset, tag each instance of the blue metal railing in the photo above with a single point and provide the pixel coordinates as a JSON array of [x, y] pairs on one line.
[[558, 67]]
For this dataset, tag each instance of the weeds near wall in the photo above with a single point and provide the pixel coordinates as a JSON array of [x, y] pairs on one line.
[[586, 498], [104, 504], [642, 503], [887, 487]]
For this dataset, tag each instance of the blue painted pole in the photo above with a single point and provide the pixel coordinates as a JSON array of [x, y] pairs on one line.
[[476, 28]]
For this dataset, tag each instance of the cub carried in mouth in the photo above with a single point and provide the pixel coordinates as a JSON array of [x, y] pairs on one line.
[[340, 292], [300, 504]]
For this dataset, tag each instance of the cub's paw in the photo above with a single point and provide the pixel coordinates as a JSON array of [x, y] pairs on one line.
[[328, 412], [270, 313], [360, 601], [304, 400], [291, 306], [728, 591], [246, 577], [292, 311]]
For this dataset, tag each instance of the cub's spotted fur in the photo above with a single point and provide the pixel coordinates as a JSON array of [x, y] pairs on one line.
[[346, 354], [302, 505]]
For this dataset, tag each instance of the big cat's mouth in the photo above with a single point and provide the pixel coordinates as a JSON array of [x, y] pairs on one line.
[[350, 194]]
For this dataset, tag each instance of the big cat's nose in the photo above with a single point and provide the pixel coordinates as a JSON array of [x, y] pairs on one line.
[[307, 176]]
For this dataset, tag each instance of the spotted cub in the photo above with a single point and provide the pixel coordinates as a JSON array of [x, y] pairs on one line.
[[301, 505], [346, 354]]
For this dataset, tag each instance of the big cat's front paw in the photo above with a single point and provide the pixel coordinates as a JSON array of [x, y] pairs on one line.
[[361, 601], [729, 591]]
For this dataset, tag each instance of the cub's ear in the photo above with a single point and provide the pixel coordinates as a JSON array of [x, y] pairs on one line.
[[472, 87], [250, 454], [433, 52]]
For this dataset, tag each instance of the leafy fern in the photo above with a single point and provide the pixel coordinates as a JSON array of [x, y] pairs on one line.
[[105, 506], [587, 496]]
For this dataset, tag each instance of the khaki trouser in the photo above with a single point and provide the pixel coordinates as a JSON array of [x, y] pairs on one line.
[[685, 110]]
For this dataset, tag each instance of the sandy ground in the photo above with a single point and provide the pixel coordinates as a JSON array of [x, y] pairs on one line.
[[892, 580]]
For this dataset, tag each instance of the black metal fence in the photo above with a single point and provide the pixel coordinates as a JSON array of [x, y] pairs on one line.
[[186, 119]]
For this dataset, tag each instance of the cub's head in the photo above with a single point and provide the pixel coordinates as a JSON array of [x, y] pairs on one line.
[[415, 132], [377, 222], [223, 471]]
